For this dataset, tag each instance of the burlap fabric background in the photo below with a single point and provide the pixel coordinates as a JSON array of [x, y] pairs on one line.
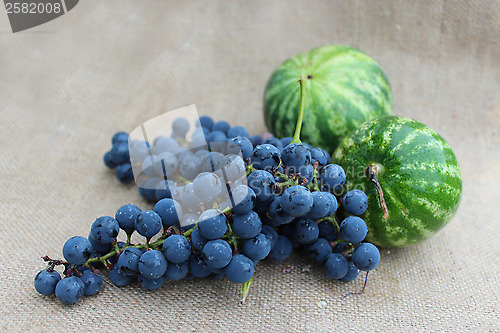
[[68, 85]]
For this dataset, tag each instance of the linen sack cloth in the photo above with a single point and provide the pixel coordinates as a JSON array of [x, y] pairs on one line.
[[66, 86]]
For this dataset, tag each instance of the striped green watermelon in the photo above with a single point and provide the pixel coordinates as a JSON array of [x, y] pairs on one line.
[[418, 174], [344, 88]]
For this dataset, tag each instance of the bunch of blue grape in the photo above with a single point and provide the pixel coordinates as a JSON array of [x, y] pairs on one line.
[[222, 202]]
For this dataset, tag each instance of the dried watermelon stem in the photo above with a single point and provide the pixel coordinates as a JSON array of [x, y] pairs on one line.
[[372, 173]]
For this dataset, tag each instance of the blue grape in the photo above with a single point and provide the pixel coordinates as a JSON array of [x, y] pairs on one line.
[[332, 177], [166, 165], [202, 153], [288, 230], [124, 173], [237, 131], [240, 269], [188, 199], [247, 225], [222, 126], [206, 122], [214, 161], [232, 168], [216, 273], [197, 240], [198, 142], [119, 279], [353, 229], [147, 189], [212, 224], [306, 175], [352, 273], [105, 229], [277, 213], [206, 162], [128, 261], [169, 211], [265, 157], [340, 247], [198, 265], [306, 230], [355, 202], [270, 233], [206, 131], [108, 162], [69, 290], [286, 141], [180, 127], [335, 266], [185, 154], [296, 200], [190, 167], [98, 247], [295, 157], [256, 140], [257, 248], [319, 249], [321, 204], [152, 284], [218, 253], [333, 203], [275, 142], [126, 216], [240, 146], [164, 189], [176, 249], [242, 199], [119, 137], [321, 156], [152, 264], [327, 230], [139, 150], [207, 186], [77, 250], [147, 166], [267, 220], [177, 271], [162, 145], [216, 137], [366, 256], [218, 145], [281, 249], [148, 223], [92, 282], [120, 153], [262, 183], [263, 206], [46, 281]]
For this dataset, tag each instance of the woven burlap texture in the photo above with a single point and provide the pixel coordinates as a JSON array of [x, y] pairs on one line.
[[68, 85]]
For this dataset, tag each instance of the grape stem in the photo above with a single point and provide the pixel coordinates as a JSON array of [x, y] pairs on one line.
[[372, 172], [154, 245], [362, 290], [245, 290], [296, 135]]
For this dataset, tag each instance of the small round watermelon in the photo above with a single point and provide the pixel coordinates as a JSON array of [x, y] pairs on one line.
[[416, 172], [344, 87]]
